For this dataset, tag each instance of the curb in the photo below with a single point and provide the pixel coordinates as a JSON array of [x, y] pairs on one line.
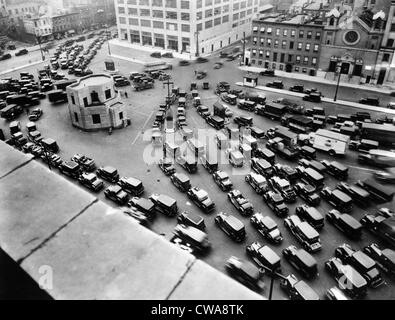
[[320, 80], [324, 99], [24, 66]]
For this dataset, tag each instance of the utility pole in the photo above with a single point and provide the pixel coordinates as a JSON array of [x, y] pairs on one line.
[[168, 83], [244, 48], [197, 44], [41, 50], [338, 80]]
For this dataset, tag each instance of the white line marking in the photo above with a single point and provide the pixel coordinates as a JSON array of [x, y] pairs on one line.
[[145, 123]]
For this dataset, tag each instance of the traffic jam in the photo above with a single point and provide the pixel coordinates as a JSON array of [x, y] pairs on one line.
[[279, 164]]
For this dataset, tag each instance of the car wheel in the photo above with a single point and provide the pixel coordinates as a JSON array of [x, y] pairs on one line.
[[332, 152]]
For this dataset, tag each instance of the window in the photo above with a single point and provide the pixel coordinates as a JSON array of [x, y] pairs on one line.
[[217, 11], [273, 66], [185, 28], [133, 11], [284, 44], [235, 16], [171, 26], [254, 52], [184, 4], [386, 57], [72, 99], [316, 46], [260, 53], [209, 3], [107, 93], [277, 32], [208, 24], [318, 35], [309, 34], [291, 44], [307, 48], [269, 42], [285, 32], [276, 43], [314, 61], [145, 12], [96, 118], [262, 41], [267, 54], [199, 15], [170, 3], [225, 19], [75, 116], [301, 33], [282, 57], [254, 40], [158, 24], [185, 16], [297, 69], [293, 33], [171, 15], [255, 29], [269, 30], [290, 57], [121, 10], [300, 44], [304, 70], [297, 59], [217, 21], [393, 27], [199, 27], [262, 30], [208, 13], [144, 2], [390, 42], [133, 22], [306, 60], [145, 23], [120, 115], [274, 56]]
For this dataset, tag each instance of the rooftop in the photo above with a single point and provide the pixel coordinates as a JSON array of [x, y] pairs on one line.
[[91, 80], [297, 19]]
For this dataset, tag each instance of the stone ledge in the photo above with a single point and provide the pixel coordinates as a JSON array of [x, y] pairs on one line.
[[94, 251], [11, 159]]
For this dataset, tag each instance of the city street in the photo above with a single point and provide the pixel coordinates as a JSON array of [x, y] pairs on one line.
[[130, 151]]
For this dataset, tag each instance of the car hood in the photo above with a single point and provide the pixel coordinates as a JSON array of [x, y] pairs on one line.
[[275, 234], [207, 202], [122, 194], [97, 182], [314, 197], [282, 207], [373, 273]]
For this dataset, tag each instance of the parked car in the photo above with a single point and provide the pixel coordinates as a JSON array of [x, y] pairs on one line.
[[345, 223], [108, 173], [264, 257], [137, 215], [358, 195], [285, 171], [246, 273], [243, 121], [267, 227], [276, 203], [311, 215], [304, 233], [275, 84], [191, 219], [365, 265], [297, 289], [201, 198], [335, 293], [338, 199], [348, 279], [70, 168], [87, 164], [257, 182], [166, 165], [336, 169], [144, 205], [283, 187], [53, 159], [35, 114], [196, 238], [232, 226], [242, 204], [222, 179], [131, 185], [90, 181], [385, 258], [116, 194], [308, 193], [301, 260]]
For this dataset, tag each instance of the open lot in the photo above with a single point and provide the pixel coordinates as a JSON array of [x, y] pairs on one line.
[[130, 151]]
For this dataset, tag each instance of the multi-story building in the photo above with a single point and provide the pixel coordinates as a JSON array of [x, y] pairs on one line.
[[289, 43], [93, 12], [65, 22], [18, 9], [94, 104], [191, 27], [3, 18], [39, 27], [352, 43]]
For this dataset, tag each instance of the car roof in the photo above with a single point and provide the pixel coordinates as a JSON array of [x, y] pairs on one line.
[[193, 217], [306, 257], [277, 197], [308, 230], [314, 213], [182, 177], [110, 169], [250, 269], [269, 255], [351, 221], [133, 181], [389, 254], [222, 174], [145, 203], [364, 259], [268, 222], [166, 200], [341, 195], [306, 291], [234, 222]]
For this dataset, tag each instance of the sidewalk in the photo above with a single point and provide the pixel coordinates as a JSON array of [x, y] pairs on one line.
[[324, 99], [301, 76], [23, 66]]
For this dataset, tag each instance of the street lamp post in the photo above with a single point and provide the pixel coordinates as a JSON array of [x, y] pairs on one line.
[[338, 69], [39, 44], [197, 44]]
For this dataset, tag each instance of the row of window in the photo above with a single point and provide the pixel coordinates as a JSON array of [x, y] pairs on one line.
[[23, 10], [282, 57], [274, 65], [284, 44], [96, 119], [285, 32], [185, 4]]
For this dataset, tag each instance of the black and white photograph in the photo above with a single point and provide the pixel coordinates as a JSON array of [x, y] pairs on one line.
[[197, 150]]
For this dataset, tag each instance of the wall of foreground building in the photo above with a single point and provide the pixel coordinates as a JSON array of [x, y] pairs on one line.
[[81, 248]]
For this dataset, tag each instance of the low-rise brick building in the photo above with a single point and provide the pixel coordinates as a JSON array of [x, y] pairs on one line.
[[95, 105], [290, 43]]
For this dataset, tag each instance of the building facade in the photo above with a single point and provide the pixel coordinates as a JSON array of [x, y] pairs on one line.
[[194, 27], [38, 27], [351, 45], [94, 104], [288, 43], [65, 22]]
